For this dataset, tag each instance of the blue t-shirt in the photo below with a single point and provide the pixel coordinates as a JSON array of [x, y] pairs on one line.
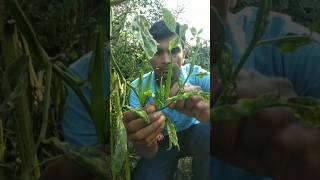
[[78, 127], [302, 67], [181, 120]]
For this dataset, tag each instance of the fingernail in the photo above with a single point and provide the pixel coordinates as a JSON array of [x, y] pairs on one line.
[[161, 120], [160, 137]]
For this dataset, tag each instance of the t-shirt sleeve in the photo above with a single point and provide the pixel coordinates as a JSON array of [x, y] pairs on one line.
[[78, 126], [200, 77], [303, 69], [134, 99], [301, 66]]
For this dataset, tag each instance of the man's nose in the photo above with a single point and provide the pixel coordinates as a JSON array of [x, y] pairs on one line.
[[166, 58]]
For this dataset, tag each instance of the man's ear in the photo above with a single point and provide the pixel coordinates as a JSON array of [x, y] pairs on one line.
[[185, 53]]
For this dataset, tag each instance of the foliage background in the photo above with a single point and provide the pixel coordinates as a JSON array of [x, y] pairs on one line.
[[305, 12]]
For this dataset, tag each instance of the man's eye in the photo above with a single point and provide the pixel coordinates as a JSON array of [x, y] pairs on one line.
[[159, 52], [175, 50]]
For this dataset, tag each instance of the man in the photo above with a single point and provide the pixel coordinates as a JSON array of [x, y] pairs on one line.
[[78, 128], [157, 162], [273, 143]]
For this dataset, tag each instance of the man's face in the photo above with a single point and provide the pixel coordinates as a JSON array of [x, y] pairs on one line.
[[161, 60]]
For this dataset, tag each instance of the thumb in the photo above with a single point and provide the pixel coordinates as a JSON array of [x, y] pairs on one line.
[[174, 89]]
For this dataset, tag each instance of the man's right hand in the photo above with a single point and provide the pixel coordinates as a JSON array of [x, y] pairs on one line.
[[144, 136], [273, 142]]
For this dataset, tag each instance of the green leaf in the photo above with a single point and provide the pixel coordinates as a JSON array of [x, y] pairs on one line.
[[193, 31], [149, 82], [149, 93], [183, 96], [117, 2], [173, 138], [244, 108], [89, 158], [260, 27], [97, 74], [201, 74], [169, 20], [175, 42], [141, 113], [306, 101], [15, 69], [140, 90], [183, 30], [72, 83], [168, 83], [291, 44], [162, 91], [25, 27], [118, 157], [306, 108], [159, 103], [140, 27], [200, 31]]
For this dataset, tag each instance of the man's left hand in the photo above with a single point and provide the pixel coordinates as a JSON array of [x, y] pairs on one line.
[[194, 106]]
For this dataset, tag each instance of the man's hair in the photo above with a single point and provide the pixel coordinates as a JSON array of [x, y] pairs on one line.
[[160, 31]]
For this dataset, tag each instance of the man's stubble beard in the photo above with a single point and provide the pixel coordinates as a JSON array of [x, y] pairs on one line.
[[174, 78]]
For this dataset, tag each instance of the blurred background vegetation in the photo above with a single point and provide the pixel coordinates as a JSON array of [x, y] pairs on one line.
[[305, 12]]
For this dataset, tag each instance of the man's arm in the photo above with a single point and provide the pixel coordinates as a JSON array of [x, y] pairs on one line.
[[272, 142], [194, 106], [144, 136]]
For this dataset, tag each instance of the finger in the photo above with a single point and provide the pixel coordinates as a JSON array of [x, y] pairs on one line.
[[191, 102], [179, 105], [159, 137], [182, 105], [174, 89], [155, 135], [192, 89], [202, 111], [247, 74], [155, 116], [129, 116], [139, 123], [225, 136], [199, 109], [146, 131], [172, 105], [150, 140], [149, 108], [155, 139], [134, 125]]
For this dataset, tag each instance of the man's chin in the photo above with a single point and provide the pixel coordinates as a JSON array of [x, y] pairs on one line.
[[163, 78]]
